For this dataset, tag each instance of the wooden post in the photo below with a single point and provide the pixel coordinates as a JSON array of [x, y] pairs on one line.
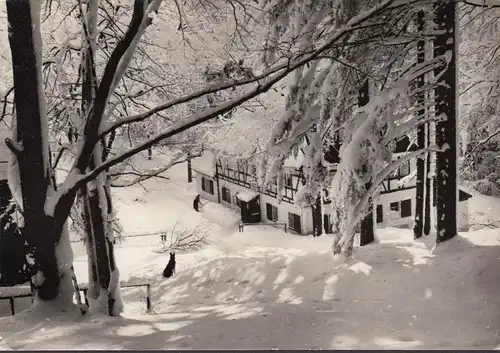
[[190, 170], [148, 297], [12, 309], [85, 298]]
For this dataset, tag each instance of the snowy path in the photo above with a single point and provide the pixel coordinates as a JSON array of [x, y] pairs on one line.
[[399, 296], [267, 289]]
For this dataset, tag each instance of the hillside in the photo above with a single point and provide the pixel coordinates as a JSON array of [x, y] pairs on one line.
[[264, 288]]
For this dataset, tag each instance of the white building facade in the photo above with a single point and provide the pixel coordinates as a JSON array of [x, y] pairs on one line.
[[234, 185]]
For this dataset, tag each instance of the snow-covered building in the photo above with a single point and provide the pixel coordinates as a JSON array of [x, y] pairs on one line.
[[234, 185], [395, 204]]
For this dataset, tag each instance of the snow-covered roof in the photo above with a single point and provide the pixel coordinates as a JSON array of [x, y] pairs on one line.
[[247, 195], [294, 162], [204, 164]]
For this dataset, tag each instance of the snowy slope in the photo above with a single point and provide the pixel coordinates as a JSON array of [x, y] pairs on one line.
[[264, 288]]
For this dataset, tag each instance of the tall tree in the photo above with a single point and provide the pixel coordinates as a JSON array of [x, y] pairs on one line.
[[367, 224], [421, 138], [46, 208], [445, 43]]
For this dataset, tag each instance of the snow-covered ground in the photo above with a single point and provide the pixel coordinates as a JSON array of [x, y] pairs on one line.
[[264, 288]]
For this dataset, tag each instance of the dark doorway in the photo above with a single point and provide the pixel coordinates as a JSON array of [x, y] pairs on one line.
[[294, 222], [316, 218], [380, 214], [327, 224], [250, 211]]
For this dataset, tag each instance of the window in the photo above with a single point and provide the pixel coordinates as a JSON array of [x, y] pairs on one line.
[[207, 185], [272, 212], [380, 214], [327, 226], [288, 181], [294, 222], [404, 170], [406, 208], [272, 186], [226, 194], [394, 206]]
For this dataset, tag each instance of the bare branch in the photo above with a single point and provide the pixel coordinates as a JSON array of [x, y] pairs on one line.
[[188, 239]]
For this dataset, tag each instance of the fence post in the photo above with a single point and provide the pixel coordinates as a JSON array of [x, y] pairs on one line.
[[86, 298], [12, 309], [148, 297]]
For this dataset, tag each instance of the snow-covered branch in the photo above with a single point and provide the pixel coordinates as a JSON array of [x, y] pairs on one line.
[[106, 86], [285, 68]]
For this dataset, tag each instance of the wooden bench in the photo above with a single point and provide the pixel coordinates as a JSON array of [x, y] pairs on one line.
[[12, 293]]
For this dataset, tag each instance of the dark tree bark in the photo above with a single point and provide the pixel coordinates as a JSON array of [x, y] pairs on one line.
[[420, 187], [428, 187], [446, 162], [367, 235], [40, 230], [94, 288], [98, 208]]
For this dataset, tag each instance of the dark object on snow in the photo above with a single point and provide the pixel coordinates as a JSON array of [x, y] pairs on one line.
[[196, 203], [170, 269]]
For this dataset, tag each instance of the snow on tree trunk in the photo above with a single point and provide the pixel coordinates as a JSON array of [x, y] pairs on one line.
[[421, 162], [104, 288], [429, 137], [101, 213], [367, 233], [93, 285], [446, 136], [46, 235]]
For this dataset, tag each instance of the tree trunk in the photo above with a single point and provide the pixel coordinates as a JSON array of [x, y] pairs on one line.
[[46, 235], [420, 187], [367, 235], [94, 288], [104, 292], [428, 186], [446, 162]]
